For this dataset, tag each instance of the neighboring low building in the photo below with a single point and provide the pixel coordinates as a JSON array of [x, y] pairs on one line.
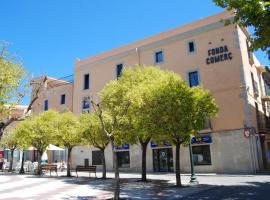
[[205, 52]]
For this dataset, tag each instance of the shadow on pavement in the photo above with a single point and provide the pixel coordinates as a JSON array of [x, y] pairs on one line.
[[252, 191]]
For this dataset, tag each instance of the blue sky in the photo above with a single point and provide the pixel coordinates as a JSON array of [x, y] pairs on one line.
[[50, 34]]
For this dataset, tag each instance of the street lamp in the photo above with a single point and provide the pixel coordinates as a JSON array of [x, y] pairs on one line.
[[193, 178]]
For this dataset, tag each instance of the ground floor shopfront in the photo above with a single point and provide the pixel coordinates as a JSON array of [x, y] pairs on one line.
[[221, 152]]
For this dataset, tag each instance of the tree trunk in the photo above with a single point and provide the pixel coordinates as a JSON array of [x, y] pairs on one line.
[[22, 164], [39, 163], [117, 178], [68, 162], [144, 148], [177, 165], [11, 161], [103, 164]]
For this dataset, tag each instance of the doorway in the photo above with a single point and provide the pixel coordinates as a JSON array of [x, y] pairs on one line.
[[163, 160]]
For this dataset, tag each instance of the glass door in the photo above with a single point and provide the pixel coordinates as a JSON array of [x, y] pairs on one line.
[[163, 160]]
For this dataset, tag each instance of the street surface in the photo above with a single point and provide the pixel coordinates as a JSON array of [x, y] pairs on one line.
[[160, 186]]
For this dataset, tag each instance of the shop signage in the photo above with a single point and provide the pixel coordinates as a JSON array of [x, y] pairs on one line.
[[122, 147], [201, 140], [163, 144], [218, 54]]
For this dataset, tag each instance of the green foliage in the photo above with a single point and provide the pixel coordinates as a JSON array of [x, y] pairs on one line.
[[9, 140], [183, 110], [37, 131], [92, 131], [131, 102], [12, 76], [149, 102], [67, 130], [13, 80], [255, 13]]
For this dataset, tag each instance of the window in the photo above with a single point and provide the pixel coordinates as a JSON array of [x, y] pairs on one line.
[[119, 68], [191, 47], [193, 78], [86, 82], [254, 85], [123, 159], [46, 105], [201, 155], [85, 104], [159, 57], [63, 99], [96, 158]]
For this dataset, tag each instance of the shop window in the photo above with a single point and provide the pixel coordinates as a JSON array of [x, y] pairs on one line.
[[96, 158], [201, 155], [63, 99], [119, 68], [123, 159], [86, 82], [46, 105], [193, 78], [159, 57]]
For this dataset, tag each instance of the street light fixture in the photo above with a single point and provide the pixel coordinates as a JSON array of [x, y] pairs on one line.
[[193, 178]]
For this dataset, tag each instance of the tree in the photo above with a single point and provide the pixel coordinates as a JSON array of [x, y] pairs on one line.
[[255, 13], [183, 112], [38, 132], [14, 85], [132, 99], [93, 134], [10, 142], [68, 134]]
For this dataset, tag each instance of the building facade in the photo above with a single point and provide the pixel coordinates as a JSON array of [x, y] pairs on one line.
[[207, 53]]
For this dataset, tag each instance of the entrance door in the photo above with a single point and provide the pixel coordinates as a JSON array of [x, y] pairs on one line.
[[163, 160]]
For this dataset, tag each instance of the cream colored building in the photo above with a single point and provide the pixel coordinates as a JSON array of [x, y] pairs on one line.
[[205, 52]]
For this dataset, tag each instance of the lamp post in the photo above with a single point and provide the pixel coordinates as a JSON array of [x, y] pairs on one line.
[[193, 178]]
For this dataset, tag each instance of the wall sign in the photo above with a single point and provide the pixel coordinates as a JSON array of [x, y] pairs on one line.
[[201, 140], [122, 147], [218, 54], [163, 144]]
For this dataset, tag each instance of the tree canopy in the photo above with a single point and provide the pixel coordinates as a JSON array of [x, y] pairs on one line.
[[255, 13]]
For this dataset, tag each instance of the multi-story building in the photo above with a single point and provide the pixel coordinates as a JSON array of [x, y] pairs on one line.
[[206, 52]]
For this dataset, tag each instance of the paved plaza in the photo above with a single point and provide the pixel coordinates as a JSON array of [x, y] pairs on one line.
[[160, 186]]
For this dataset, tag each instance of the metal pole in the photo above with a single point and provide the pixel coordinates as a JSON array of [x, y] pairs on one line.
[[193, 178]]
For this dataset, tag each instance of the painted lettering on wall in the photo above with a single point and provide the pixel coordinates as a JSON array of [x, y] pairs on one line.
[[218, 54]]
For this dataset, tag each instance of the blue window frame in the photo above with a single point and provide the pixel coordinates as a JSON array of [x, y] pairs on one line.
[[159, 57], [191, 46], [86, 82], [46, 105], [193, 78], [63, 99], [119, 68]]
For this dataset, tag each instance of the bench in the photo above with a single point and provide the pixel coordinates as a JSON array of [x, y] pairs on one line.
[[89, 169], [49, 167]]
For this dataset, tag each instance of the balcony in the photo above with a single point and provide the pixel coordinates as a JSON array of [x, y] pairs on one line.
[[263, 124]]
